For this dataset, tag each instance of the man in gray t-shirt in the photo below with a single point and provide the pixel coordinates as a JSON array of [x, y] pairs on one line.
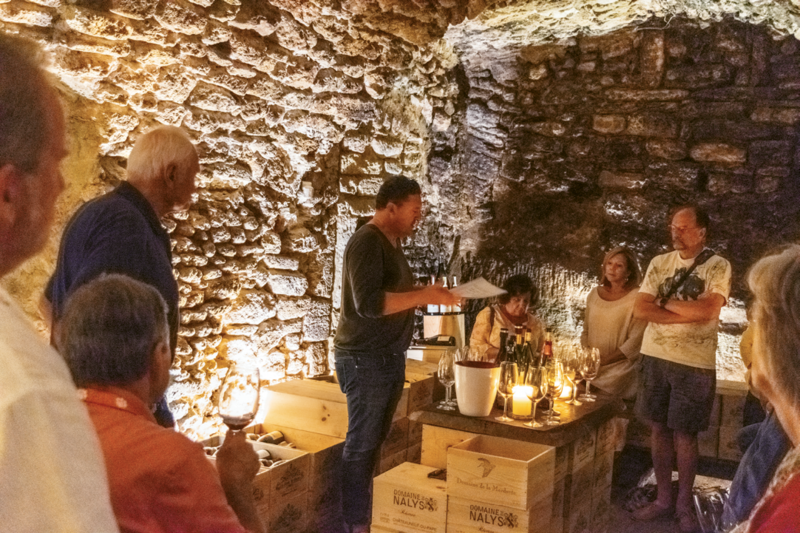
[[375, 327]]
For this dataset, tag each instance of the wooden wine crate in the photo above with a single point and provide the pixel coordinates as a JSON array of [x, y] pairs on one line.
[[422, 367], [500, 471], [728, 445], [315, 406], [562, 464], [397, 439], [436, 441], [583, 450], [287, 515], [603, 470], [606, 436], [325, 510], [420, 393], [579, 518], [557, 512], [406, 499], [708, 442], [414, 454], [578, 487], [391, 462], [414, 433], [286, 479], [477, 516]]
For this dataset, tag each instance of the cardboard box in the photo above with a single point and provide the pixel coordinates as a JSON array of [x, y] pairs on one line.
[[315, 406], [406, 499], [436, 441], [499, 471], [476, 516], [397, 439]]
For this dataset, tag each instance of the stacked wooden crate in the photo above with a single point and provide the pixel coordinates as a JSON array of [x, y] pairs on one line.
[[281, 491], [579, 495], [406, 499]]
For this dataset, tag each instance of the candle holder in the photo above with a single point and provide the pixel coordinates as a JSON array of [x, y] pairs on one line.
[[520, 403]]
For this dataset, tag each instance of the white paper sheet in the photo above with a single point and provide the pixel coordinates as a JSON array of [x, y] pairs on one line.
[[477, 288]]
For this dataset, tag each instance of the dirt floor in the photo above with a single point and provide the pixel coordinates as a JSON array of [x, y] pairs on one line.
[[634, 464]]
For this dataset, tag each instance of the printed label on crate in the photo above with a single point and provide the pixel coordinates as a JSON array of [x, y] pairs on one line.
[[290, 477], [288, 519], [495, 517], [403, 498]]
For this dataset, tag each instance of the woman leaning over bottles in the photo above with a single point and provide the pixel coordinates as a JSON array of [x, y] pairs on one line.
[[610, 327], [511, 310]]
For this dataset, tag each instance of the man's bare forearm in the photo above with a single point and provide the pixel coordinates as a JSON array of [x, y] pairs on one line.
[[396, 302], [701, 310], [650, 312]]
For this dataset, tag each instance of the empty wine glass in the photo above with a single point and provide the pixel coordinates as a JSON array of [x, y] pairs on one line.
[[590, 366], [447, 377], [572, 365], [555, 385], [535, 389], [508, 379], [238, 396]]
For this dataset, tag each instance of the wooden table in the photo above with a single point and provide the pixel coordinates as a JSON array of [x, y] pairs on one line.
[[575, 421]]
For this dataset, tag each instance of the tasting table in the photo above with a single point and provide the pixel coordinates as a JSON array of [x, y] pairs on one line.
[[575, 421]]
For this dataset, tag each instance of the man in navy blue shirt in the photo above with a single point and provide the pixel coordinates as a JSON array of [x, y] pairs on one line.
[[120, 232]]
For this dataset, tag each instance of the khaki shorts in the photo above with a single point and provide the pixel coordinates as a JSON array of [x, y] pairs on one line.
[[678, 396]]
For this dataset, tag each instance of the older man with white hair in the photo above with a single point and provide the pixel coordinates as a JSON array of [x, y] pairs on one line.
[[120, 232], [52, 476]]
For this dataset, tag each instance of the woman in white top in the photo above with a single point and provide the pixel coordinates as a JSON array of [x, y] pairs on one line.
[[510, 311], [610, 327]]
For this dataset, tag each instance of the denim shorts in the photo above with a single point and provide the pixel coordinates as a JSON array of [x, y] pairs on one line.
[[678, 396]]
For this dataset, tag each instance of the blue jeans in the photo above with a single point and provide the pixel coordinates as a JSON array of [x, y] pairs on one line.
[[756, 469], [373, 385]]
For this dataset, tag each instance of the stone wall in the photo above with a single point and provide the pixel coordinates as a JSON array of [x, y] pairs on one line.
[[299, 110], [569, 149]]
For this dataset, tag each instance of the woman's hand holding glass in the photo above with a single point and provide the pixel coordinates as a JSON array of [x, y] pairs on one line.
[[536, 388]]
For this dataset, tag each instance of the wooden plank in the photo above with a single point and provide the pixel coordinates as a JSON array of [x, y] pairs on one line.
[[500, 471], [420, 392], [477, 516], [406, 499], [436, 441], [732, 388]]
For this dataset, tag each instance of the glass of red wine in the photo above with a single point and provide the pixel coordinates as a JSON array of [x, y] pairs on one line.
[[238, 396]]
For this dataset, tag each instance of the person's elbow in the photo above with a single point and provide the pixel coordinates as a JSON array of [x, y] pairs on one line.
[[370, 306]]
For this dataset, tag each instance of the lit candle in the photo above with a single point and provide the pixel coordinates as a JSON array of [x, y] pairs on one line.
[[566, 394], [521, 405]]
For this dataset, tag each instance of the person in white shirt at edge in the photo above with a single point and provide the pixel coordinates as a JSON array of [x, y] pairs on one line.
[[677, 382], [52, 476]]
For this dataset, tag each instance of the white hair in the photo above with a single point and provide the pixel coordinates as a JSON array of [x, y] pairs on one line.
[[158, 149]]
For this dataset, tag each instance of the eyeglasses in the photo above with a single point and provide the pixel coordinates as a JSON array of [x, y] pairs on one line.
[[680, 230]]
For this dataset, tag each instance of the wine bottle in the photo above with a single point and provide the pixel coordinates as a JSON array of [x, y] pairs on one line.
[[530, 358], [518, 346], [502, 355], [548, 360], [273, 437], [433, 309]]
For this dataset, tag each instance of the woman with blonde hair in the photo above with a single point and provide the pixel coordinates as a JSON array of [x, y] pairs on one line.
[[775, 373], [610, 327]]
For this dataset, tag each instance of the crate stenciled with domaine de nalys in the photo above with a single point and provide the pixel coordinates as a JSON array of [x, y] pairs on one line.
[[406, 499]]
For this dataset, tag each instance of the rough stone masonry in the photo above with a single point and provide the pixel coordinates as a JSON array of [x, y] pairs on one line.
[[300, 108]]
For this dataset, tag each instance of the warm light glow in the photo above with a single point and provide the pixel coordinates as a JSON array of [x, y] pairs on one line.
[[521, 405], [567, 393]]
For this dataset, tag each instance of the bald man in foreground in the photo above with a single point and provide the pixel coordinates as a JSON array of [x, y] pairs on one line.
[[121, 232]]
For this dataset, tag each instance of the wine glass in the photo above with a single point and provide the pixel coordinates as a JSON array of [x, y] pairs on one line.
[[508, 379], [238, 396], [555, 385], [535, 389], [447, 377], [590, 366], [571, 372]]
